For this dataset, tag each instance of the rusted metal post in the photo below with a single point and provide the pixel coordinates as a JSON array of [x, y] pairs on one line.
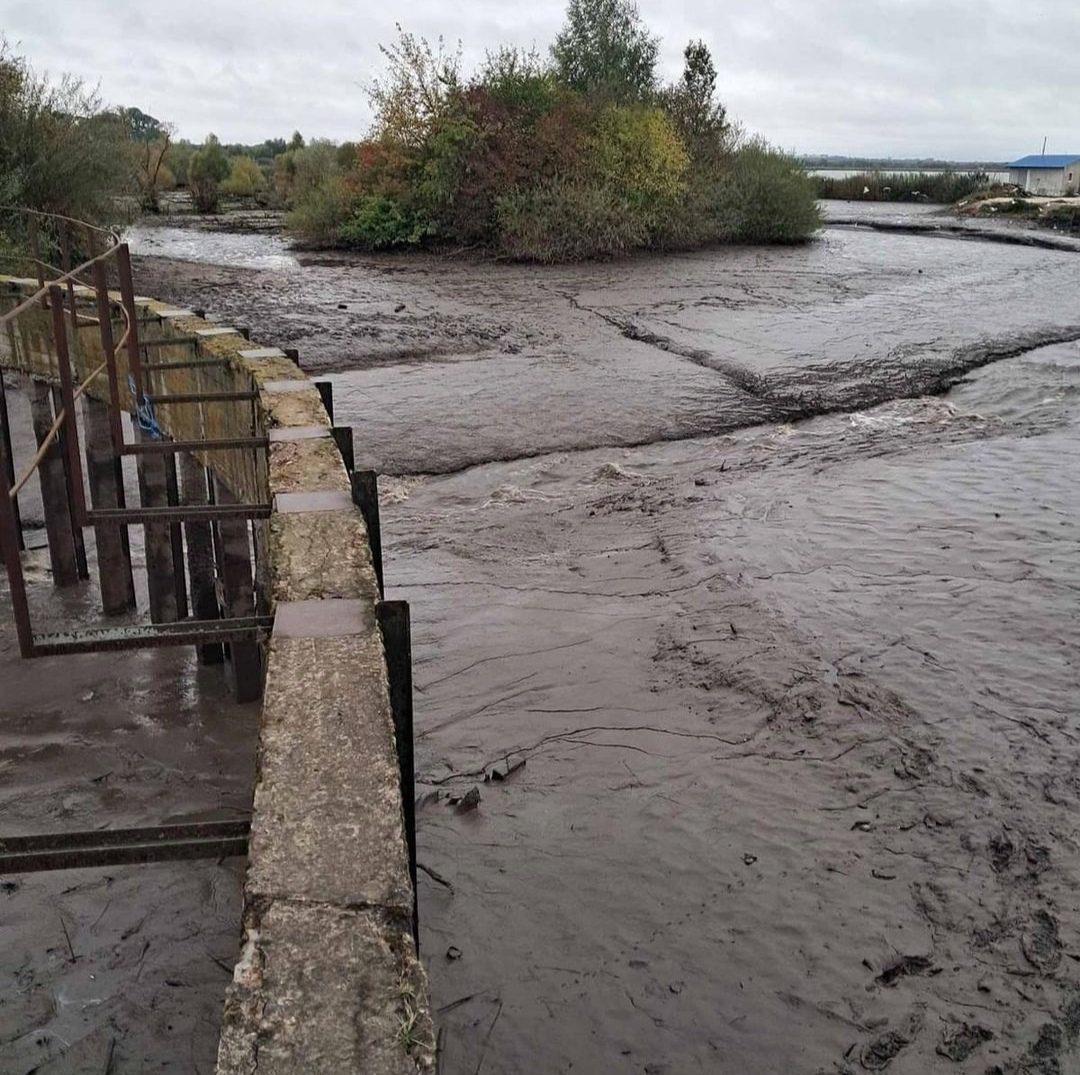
[[200, 555], [365, 495], [101, 289], [9, 550], [54, 492], [234, 565], [7, 461], [65, 264], [69, 480], [393, 617], [106, 477], [127, 296], [160, 576]]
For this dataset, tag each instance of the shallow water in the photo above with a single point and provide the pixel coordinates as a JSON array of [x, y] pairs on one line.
[[765, 562]]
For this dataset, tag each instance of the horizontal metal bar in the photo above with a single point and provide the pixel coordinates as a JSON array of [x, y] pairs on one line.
[[191, 363], [117, 847], [180, 513], [151, 635], [203, 397], [151, 446]]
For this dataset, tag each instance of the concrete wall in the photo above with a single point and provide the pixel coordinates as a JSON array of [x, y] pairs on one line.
[[1049, 181], [328, 980]]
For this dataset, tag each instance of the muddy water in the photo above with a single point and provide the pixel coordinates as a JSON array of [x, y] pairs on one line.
[[765, 564], [124, 969]]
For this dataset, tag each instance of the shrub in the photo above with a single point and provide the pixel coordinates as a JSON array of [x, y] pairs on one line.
[[60, 151], [208, 167], [1062, 217], [764, 196], [317, 217], [568, 221], [245, 178], [943, 187], [381, 223]]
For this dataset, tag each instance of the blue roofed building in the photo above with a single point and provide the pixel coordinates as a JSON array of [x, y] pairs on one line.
[[1041, 173]]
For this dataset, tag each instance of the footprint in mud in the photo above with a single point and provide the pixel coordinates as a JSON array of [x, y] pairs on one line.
[[960, 1041], [878, 1054], [1040, 942], [903, 967], [1001, 852]]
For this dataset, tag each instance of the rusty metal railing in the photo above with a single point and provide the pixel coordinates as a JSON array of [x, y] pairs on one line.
[[56, 292]]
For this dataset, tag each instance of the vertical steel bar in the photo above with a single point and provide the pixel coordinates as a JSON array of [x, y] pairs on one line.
[[127, 295], [65, 264], [365, 495], [54, 491], [176, 531], [200, 554], [9, 548], [7, 458], [77, 541], [101, 287], [343, 438], [106, 479], [71, 424], [393, 617]]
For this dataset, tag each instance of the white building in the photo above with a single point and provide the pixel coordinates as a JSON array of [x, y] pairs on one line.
[[1055, 174]]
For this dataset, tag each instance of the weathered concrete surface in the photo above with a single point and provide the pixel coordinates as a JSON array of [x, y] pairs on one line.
[[329, 981], [328, 765], [367, 1016]]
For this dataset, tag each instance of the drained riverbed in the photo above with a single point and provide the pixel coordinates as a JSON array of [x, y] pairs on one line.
[[765, 562]]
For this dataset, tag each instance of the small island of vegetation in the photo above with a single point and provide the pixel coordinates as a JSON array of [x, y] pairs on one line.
[[582, 154]]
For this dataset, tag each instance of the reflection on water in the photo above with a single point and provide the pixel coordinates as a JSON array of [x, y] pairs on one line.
[[247, 250]]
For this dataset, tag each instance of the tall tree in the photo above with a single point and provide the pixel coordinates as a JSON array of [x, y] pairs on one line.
[[605, 49], [699, 117]]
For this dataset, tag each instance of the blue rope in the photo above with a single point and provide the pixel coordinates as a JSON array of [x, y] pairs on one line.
[[144, 413]]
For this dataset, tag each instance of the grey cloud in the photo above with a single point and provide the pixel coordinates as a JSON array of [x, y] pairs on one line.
[[901, 77]]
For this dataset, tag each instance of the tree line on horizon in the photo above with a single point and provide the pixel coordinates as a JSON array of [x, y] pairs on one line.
[[580, 153]]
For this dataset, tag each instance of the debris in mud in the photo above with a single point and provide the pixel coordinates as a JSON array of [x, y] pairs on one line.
[[749, 859], [469, 801], [959, 1042], [882, 1051], [453, 952], [497, 776], [903, 967], [1040, 942]]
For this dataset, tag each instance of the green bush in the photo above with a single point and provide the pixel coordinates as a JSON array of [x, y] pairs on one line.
[[380, 223], [764, 196], [60, 152], [208, 167], [317, 218], [568, 221], [245, 178]]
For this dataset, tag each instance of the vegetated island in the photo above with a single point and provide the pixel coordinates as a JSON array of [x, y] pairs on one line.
[[583, 154]]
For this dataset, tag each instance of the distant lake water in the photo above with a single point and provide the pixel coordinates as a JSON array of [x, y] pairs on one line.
[[844, 173]]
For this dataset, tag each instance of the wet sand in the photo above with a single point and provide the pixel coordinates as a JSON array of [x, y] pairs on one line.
[[117, 970], [792, 667]]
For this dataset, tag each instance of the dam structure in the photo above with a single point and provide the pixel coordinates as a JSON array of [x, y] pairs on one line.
[[261, 550]]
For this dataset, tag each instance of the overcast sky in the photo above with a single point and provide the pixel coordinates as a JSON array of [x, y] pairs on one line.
[[978, 79]]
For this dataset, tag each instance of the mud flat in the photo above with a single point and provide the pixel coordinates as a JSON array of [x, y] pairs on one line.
[[765, 564]]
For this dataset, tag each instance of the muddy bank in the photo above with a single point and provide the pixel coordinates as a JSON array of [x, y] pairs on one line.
[[640, 351], [796, 701], [124, 969]]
